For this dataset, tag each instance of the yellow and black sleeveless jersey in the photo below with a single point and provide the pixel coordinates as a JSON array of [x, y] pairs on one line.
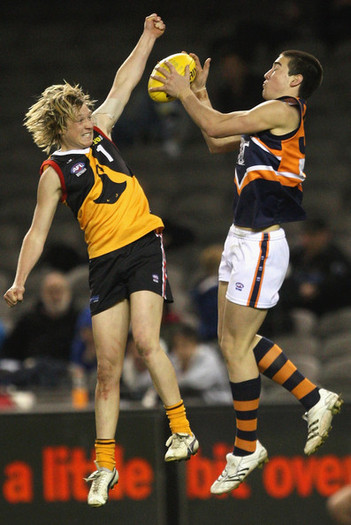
[[104, 195], [269, 175]]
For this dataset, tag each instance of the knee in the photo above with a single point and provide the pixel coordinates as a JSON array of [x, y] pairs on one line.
[[145, 347], [107, 372], [235, 352]]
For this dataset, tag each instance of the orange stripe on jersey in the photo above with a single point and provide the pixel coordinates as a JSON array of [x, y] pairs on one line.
[[259, 273], [267, 175]]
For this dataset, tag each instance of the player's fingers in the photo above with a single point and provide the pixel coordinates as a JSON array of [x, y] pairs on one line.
[[10, 299], [195, 57], [163, 71], [207, 64], [158, 78], [158, 88], [158, 24]]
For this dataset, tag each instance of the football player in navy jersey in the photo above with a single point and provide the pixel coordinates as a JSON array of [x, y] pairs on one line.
[[268, 181]]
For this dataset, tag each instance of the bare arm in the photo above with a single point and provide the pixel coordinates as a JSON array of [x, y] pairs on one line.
[[271, 115], [49, 192], [128, 75]]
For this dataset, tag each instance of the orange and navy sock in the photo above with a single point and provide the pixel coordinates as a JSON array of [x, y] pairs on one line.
[[246, 398], [105, 453], [273, 363], [178, 422]]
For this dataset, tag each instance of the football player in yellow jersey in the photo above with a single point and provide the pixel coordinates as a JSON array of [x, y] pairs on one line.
[[127, 267], [267, 193]]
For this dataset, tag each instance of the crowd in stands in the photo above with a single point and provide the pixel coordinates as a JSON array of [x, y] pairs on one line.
[[50, 344]]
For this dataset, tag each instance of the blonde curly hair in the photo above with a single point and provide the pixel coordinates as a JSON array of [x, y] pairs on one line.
[[47, 119]]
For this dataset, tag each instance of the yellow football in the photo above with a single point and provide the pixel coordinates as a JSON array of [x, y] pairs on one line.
[[179, 61]]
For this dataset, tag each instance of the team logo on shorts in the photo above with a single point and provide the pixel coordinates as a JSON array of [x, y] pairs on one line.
[[155, 278], [94, 299], [239, 286], [78, 169]]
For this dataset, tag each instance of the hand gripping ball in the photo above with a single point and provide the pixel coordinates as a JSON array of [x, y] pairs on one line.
[[179, 61]]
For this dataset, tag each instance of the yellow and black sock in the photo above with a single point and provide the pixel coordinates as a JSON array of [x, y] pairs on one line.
[[178, 422], [246, 398], [105, 453], [273, 363]]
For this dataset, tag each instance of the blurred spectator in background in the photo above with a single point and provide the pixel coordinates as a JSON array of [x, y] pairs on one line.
[[200, 370], [239, 87], [83, 353], [339, 506], [2, 336], [333, 22], [136, 381], [83, 360], [42, 336], [319, 275], [205, 292], [62, 256]]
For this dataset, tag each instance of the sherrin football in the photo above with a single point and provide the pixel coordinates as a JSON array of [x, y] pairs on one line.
[[179, 61]]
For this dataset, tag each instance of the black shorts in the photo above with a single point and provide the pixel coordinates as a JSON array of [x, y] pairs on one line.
[[138, 266]]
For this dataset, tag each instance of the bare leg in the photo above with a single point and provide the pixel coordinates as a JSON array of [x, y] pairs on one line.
[[110, 335], [237, 329], [146, 315]]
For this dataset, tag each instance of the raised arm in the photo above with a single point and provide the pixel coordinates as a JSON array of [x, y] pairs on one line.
[[49, 192], [128, 75], [272, 115]]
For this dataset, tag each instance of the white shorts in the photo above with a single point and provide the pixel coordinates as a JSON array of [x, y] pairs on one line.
[[254, 265]]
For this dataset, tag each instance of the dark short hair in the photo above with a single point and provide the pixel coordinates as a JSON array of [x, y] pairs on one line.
[[307, 65]]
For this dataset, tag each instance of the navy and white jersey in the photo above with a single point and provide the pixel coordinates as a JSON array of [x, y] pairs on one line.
[[269, 175]]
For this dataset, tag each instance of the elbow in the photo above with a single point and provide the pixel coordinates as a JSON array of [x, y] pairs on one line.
[[210, 131], [213, 149]]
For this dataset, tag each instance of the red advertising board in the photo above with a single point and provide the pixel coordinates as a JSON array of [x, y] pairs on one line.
[[46, 456]]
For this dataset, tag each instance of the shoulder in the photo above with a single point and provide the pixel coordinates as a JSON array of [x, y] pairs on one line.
[[284, 115], [50, 176]]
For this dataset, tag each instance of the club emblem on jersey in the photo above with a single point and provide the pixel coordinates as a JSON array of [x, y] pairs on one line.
[[111, 191], [78, 169]]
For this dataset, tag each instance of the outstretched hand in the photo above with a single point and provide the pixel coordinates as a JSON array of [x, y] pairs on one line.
[[201, 73], [155, 25]]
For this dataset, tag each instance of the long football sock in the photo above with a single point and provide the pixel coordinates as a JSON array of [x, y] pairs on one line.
[[178, 422], [274, 364], [105, 453], [246, 398]]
